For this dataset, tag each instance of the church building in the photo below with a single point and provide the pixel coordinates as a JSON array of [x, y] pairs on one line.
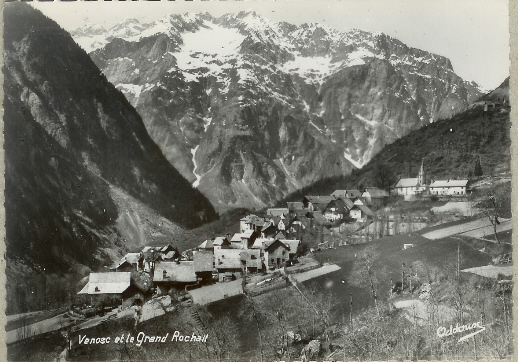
[[409, 187]]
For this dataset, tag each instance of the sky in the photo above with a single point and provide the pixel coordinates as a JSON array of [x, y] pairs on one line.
[[473, 34]]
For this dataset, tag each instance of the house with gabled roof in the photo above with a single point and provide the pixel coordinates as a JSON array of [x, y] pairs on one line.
[[221, 242], [279, 235], [449, 187], [350, 194], [275, 253], [269, 229], [410, 187], [129, 262], [296, 208], [203, 262], [251, 222], [316, 203], [375, 196], [407, 186], [243, 240], [361, 212], [228, 263], [298, 223], [280, 212], [335, 210], [293, 246], [169, 274], [206, 245], [347, 202], [318, 218], [107, 283], [252, 260]]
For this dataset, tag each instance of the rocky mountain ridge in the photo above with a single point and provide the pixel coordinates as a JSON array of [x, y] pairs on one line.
[[249, 110], [82, 176]]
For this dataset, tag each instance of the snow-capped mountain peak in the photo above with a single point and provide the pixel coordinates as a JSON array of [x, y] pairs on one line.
[[265, 104]]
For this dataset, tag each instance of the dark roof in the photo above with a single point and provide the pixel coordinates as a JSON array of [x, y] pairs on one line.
[[277, 212], [346, 193], [273, 244], [220, 240], [203, 261], [166, 248], [279, 235], [254, 220], [169, 255], [248, 217], [348, 203], [365, 210], [207, 244], [338, 204], [319, 199], [319, 218], [152, 255], [295, 206], [269, 224]]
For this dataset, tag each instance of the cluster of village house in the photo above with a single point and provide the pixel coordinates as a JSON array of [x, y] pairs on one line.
[[262, 243], [260, 246]]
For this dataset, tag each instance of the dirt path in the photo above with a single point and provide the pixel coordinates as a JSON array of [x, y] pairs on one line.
[[44, 326], [215, 292], [310, 274]]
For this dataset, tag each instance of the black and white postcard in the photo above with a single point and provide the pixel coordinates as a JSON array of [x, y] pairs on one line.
[[257, 180]]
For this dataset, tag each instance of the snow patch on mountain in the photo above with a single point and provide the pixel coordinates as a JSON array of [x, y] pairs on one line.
[[311, 69], [349, 157], [210, 48], [134, 89], [196, 183], [372, 124]]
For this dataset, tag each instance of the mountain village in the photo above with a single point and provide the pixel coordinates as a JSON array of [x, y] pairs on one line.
[[295, 192], [268, 245]]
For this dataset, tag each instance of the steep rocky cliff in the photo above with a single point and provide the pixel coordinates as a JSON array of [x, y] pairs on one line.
[[249, 110], [450, 148], [82, 173]]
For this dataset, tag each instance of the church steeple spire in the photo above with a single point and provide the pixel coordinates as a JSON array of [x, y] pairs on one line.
[[421, 179]]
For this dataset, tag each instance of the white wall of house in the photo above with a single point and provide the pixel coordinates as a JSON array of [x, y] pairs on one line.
[[356, 214], [457, 190], [244, 226], [414, 190], [333, 216]]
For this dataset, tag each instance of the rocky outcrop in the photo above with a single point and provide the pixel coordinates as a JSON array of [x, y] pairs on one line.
[[275, 106]]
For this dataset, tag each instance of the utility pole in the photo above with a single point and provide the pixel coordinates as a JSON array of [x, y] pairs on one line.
[[351, 311], [458, 260], [45, 278]]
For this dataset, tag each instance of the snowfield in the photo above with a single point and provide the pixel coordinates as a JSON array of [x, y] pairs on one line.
[[212, 48]]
